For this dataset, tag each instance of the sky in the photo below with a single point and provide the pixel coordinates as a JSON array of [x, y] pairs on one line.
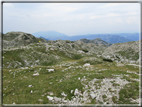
[[72, 18]]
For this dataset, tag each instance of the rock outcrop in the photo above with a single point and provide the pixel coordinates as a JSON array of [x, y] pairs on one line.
[[14, 39], [123, 52], [96, 41]]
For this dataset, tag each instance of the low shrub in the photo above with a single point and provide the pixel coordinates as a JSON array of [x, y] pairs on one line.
[[108, 60], [85, 50], [77, 56]]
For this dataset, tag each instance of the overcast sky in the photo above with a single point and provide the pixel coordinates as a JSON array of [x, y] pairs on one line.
[[72, 18]]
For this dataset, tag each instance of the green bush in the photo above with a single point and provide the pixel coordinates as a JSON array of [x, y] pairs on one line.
[[77, 56], [108, 60], [85, 50]]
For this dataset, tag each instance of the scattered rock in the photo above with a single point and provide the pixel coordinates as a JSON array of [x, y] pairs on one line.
[[63, 94], [92, 94], [50, 93], [36, 74], [56, 99], [30, 86], [50, 98], [50, 70], [87, 64], [76, 92], [71, 91], [31, 91]]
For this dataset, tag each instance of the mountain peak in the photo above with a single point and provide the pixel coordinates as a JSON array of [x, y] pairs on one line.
[[12, 35], [51, 34], [12, 39]]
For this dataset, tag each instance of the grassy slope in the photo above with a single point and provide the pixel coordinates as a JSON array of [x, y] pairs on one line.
[[64, 79], [69, 75]]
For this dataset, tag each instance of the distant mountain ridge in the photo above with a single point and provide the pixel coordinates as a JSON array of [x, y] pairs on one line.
[[51, 35], [131, 36], [110, 38], [97, 41], [43, 38]]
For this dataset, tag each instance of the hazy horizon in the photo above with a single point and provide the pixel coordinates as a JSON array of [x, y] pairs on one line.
[[72, 35], [72, 18]]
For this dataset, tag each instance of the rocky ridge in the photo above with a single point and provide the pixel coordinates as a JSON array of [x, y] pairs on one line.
[[96, 41], [123, 52], [15, 39], [29, 46], [30, 52]]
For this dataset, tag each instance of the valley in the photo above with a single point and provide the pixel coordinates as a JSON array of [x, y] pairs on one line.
[[36, 71]]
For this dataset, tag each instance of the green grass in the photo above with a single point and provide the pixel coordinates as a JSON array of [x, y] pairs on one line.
[[130, 91], [90, 60], [129, 54], [77, 56], [64, 79]]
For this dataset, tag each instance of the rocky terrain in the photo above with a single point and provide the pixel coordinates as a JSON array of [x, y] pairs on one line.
[[124, 52], [15, 39], [97, 41], [36, 71]]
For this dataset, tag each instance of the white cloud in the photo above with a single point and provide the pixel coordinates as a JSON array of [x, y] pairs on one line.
[[131, 20], [96, 17], [112, 15], [110, 5], [104, 16], [64, 7], [71, 18], [132, 13]]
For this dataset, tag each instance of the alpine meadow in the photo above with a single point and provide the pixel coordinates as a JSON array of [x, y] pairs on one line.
[[71, 54], [36, 71]]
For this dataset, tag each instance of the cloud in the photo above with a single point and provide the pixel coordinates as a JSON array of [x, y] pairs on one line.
[[132, 13], [115, 15], [96, 16], [110, 5], [104, 16], [64, 7], [132, 20], [71, 18]]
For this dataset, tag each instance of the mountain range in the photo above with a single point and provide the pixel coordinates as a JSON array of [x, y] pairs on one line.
[[28, 49], [125, 51], [110, 38]]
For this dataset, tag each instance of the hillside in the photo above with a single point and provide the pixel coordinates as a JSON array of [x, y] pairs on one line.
[[96, 41], [48, 53], [124, 52], [67, 73], [14, 39]]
